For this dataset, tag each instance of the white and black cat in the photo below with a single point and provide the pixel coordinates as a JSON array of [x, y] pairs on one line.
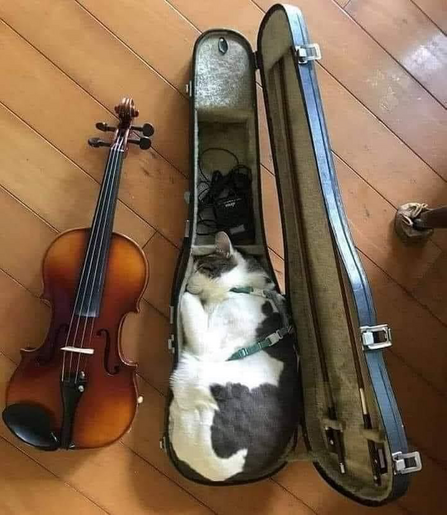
[[232, 419]]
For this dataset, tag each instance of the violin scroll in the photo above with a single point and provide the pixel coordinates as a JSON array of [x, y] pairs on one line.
[[126, 112]]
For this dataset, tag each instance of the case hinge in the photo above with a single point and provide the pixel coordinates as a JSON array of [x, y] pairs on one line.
[[188, 88], [376, 337], [163, 445], [407, 463], [187, 229], [171, 314], [306, 53]]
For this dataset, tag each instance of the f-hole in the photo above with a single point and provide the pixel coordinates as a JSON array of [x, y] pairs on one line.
[[116, 368], [62, 329]]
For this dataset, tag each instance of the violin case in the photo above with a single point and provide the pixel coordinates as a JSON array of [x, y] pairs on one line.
[[349, 404]]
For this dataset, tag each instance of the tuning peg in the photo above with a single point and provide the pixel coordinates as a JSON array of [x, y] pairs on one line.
[[147, 129], [96, 142], [144, 143], [104, 127]]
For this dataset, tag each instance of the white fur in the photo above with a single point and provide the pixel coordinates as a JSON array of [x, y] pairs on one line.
[[216, 323]]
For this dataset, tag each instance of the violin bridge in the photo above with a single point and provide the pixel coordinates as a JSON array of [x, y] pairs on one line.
[[79, 350]]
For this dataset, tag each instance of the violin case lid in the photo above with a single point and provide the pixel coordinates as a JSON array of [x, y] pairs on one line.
[[349, 404]]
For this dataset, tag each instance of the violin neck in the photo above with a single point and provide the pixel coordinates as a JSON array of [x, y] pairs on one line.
[[91, 282]]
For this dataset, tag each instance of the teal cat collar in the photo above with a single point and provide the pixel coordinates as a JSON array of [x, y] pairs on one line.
[[271, 339]]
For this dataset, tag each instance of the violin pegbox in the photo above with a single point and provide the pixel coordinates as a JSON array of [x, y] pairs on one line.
[[126, 112]]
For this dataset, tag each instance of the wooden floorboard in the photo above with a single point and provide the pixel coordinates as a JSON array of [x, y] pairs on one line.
[[64, 66], [436, 10], [409, 36]]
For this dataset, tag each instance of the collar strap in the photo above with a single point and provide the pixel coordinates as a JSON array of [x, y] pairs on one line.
[[271, 340], [267, 294]]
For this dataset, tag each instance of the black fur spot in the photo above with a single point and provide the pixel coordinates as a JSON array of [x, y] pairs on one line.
[[214, 265], [262, 420]]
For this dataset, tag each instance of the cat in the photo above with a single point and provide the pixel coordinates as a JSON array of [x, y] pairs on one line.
[[231, 419]]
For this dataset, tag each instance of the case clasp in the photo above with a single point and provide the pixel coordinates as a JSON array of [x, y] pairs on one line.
[[163, 445], [407, 463], [306, 53], [376, 337], [171, 346]]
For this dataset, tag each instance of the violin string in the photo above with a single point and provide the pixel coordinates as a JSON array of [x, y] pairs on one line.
[[78, 293], [90, 250], [94, 261], [88, 258], [98, 256]]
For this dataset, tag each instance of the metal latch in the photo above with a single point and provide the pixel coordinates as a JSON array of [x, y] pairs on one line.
[[188, 88], [376, 337], [306, 53], [171, 346], [163, 445], [407, 463], [187, 229], [171, 314]]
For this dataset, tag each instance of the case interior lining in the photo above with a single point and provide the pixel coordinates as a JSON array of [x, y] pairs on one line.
[[225, 107], [297, 172], [225, 114]]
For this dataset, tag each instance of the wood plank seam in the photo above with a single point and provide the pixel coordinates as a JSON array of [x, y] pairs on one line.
[[390, 55], [366, 107], [428, 17], [294, 495], [319, 64], [80, 168], [86, 91], [165, 475], [380, 194], [136, 54], [52, 473], [384, 124], [156, 231], [28, 208], [183, 16]]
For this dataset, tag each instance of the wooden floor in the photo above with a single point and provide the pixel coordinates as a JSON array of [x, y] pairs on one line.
[[65, 64]]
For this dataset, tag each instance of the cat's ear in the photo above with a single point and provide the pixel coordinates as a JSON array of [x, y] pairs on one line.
[[223, 244]]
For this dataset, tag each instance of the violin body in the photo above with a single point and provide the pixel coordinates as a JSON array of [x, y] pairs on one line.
[[76, 391], [108, 404]]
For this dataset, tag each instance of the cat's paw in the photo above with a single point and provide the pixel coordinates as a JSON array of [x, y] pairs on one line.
[[190, 303]]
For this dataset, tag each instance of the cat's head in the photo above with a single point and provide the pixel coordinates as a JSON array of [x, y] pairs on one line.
[[225, 268]]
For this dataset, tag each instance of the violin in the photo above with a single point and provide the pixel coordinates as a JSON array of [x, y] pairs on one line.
[[76, 391]]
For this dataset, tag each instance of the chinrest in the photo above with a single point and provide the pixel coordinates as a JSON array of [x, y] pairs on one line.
[[31, 424]]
